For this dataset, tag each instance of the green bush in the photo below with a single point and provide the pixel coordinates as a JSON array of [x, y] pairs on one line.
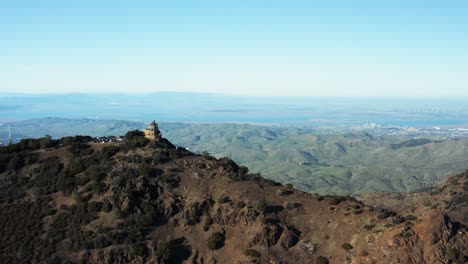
[[456, 255], [240, 204], [80, 181], [216, 241], [97, 187], [252, 253], [223, 199], [163, 249], [106, 206], [359, 211], [75, 166], [135, 139], [65, 183], [140, 249], [321, 260], [80, 149], [411, 218], [335, 200], [262, 207], [94, 206], [347, 246]]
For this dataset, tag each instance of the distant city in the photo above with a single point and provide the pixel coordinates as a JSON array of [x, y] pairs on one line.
[[436, 131]]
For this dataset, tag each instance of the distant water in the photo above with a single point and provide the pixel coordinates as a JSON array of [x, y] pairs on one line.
[[194, 107]]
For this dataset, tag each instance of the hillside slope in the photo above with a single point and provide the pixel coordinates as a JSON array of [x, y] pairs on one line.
[[343, 163], [69, 201], [451, 196], [313, 161]]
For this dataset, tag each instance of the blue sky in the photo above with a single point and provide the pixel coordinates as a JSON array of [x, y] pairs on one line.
[[298, 48]]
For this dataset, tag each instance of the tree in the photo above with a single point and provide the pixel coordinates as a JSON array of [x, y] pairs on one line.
[[134, 134]]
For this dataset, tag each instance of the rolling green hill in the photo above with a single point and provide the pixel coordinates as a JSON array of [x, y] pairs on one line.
[[342, 163], [313, 161]]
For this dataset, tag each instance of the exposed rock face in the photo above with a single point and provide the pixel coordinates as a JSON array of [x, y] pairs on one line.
[[154, 203], [289, 237], [268, 236]]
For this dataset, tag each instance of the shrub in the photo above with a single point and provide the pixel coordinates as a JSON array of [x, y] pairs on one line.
[[106, 206], [74, 167], [173, 250], [411, 218], [240, 204], [117, 213], [252, 253], [216, 241], [150, 172], [94, 206], [140, 249], [134, 134], [289, 185], [369, 226], [97, 187], [456, 255], [321, 260], [359, 211], [172, 181], [109, 151], [262, 207], [290, 205], [383, 213], [163, 249], [207, 223], [77, 197], [80, 149], [135, 139], [270, 182], [134, 233], [347, 246], [80, 181], [364, 253], [65, 183], [335, 200], [223, 199]]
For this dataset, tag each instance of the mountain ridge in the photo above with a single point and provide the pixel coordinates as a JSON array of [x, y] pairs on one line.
[[313, 161], [72, 201]]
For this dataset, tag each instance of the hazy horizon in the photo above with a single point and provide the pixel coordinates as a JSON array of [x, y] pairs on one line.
[[142, 93], [214, 108]]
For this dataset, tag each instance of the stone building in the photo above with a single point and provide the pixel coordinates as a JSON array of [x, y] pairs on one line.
[[152, 132]]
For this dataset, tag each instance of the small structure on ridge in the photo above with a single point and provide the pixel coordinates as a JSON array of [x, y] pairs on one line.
[[152, 132]]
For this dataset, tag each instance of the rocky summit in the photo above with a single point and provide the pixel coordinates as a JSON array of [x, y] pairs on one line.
[[75, 201]]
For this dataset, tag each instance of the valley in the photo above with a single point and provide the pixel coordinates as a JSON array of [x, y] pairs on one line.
[[317, 161]]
